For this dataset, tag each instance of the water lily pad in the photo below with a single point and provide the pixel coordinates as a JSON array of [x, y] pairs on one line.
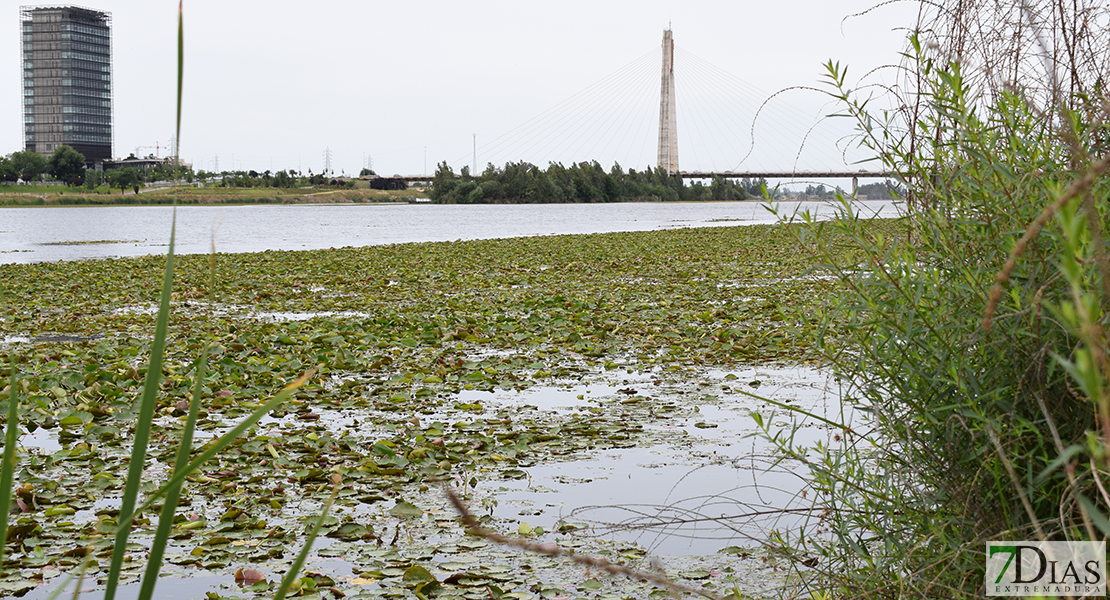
[[417, 574], [406, 510], [590, 585], [17, 588]]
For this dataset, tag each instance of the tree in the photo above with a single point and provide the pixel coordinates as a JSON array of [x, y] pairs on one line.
[[7, 170], [283, 180], [124, 178], [66, 163], [28, 164], [364, 172], [93, 178]]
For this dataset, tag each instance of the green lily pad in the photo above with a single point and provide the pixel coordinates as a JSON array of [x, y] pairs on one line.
[[406, 510], [417, 574]]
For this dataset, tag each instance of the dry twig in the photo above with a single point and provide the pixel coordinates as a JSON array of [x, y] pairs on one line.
[[554, 550]]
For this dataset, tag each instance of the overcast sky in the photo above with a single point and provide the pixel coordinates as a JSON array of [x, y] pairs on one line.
[[273, 84]]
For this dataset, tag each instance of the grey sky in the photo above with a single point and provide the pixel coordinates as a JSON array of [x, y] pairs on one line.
[[272, 84]]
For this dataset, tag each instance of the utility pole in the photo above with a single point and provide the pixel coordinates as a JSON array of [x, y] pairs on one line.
[[475, 171], [217, 169], [327, 160], [425, 160]]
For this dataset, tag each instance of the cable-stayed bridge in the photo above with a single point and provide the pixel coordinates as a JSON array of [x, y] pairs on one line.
[[720, 125]]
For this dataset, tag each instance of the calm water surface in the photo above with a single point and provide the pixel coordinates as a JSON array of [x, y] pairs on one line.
[[72, 233]]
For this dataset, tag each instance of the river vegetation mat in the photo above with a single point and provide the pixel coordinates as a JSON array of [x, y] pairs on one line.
[[401, 338]]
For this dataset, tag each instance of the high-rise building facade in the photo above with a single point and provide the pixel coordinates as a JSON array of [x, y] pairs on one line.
[[67, 80]]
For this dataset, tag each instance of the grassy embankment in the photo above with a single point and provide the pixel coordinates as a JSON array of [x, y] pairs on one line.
[[61, 196], [396, 333]]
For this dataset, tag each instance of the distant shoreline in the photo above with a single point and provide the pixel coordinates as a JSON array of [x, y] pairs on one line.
[[211, 197], [31, 200]]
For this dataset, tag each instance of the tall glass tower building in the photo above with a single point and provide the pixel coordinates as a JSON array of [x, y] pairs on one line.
[[67, 80]]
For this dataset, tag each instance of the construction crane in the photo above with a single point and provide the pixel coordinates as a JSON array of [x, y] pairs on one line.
[[157, 149]]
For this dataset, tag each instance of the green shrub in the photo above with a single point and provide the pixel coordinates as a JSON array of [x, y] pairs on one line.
[[973, 343]]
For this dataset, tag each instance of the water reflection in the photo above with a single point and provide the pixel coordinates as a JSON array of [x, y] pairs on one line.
[[718, 484], [172, 587]]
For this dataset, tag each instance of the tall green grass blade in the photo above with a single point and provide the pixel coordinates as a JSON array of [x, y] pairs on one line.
[[220, 443], [1095, 514], [142, 426], [295, 568], [76, 589], [173, 493], [7, 471], [80, 580], [180, 74]]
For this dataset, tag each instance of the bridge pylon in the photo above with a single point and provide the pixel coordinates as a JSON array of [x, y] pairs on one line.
[[668, 124]]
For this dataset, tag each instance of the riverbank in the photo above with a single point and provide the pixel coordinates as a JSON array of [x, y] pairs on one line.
[[57, 196], [431, 361]]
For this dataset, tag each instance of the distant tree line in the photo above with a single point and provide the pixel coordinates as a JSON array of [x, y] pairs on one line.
[[522, 182], [873, 191], [68, 166], [882, 190], [281, 179], [65, 164]]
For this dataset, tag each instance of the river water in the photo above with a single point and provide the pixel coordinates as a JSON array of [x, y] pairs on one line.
[[41, 234]]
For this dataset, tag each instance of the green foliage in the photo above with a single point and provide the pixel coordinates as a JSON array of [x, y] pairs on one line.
[[123, 178], [754, 187], [8, 467], [818, 192], [982, 404], [8, 171], [282, 179], [28, 164], [93, 179], [881, 191], [166, 171], [66, 164], [522, 182], [143, 422]]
